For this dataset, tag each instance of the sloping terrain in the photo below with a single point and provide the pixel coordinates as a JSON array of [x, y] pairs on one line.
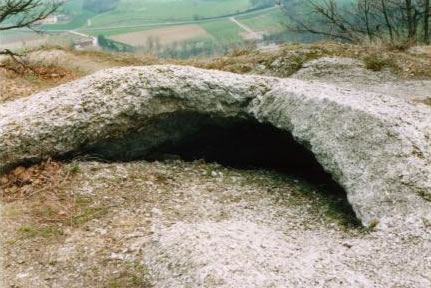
[[381, 63], [172, 223]]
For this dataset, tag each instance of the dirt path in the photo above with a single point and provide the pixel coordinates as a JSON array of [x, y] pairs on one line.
[[250, 33], [242, 26]]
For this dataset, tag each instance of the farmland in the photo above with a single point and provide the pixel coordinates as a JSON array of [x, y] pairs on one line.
[[273, 20], [169, 22], [163, 36], [136, 12]]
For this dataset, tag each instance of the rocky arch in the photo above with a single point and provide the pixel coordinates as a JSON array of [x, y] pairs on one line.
[[376, 147], [238, 142]]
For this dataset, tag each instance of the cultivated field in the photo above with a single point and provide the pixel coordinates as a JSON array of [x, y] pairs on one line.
[[163, 22], [163, 36], [136, 12], [23, 40], [20, 38], [265, 22], [224, 31]]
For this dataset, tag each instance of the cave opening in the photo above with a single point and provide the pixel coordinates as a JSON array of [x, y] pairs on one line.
[[236, 142]]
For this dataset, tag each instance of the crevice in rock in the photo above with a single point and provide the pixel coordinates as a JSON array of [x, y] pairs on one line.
[[237, 142]]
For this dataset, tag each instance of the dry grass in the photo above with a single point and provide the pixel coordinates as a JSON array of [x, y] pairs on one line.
[[427, 101], [25, 182], [20, 81], [39, 71], [131, 275], [376, 62], [281, 62], [396, 59], [49, 204], [116, 58]]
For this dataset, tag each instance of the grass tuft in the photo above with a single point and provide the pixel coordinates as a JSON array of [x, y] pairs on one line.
[[28, 231], [376, 62], [131, 275], [371, 227], [74, 167], [427, 101]]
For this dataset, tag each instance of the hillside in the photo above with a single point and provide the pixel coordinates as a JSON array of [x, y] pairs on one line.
[[205, 215], [157, 26], [58, 65]]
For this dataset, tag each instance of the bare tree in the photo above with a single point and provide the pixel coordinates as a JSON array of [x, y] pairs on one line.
[[427, 19], [393, 19], [325, 19], [383, 8], [15, 14]]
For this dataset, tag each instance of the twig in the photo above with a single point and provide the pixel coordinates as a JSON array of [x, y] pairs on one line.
[[15, 57]]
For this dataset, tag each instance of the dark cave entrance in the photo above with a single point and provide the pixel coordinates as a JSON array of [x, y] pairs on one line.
[[237, 142]]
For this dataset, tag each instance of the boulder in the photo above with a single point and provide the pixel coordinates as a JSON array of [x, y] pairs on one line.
[[377, 147]]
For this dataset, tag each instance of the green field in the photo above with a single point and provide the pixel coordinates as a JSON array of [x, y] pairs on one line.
[[135, 12], [227, 32], [145, 15], [79, 16], [271, 21], [224, 31]]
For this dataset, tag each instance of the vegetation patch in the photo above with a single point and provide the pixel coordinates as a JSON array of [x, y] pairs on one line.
[[28, 232], [131, 275], [161, 36], [25, 182], [133, 12], [427, 101], [39, 72], [86, 211], [376, 62], [50, 206], [425, 194], [63, 207], [96, 7], [279, 62]]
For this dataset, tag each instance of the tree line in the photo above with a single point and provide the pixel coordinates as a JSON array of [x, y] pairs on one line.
[[356, 20]]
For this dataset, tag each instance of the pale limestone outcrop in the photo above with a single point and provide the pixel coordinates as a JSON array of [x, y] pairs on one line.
[[377, 147]]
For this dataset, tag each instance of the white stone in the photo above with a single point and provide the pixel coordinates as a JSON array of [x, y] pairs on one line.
[[377, 147]]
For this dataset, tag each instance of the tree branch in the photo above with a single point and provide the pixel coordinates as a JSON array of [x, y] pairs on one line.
[[25, 13], [17, 59]]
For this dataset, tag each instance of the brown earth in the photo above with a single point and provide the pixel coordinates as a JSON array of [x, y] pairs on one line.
[[164, 36]]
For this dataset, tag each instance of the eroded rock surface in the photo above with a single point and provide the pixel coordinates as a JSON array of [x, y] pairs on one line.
[[352, 74], [196, 224], [377, 147]]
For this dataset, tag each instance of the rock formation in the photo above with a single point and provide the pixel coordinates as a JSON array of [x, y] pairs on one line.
[[377, 147], [352, 74]]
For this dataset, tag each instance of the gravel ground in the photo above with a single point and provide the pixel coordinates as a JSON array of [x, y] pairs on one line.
[[178, 224]]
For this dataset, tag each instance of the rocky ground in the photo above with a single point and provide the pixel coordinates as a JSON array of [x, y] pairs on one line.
[[178, 224], [171, 223], [381, 65]]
